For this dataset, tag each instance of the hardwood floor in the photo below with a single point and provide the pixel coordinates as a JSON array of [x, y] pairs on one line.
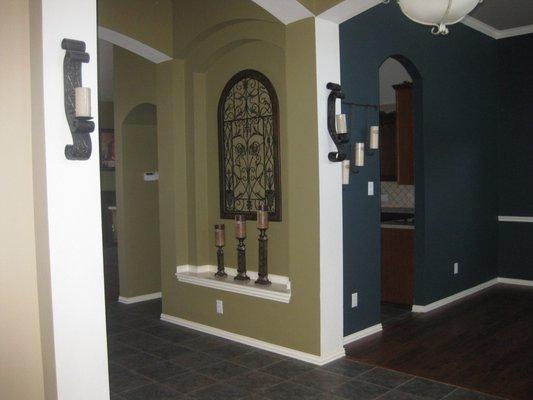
[[483, 342]]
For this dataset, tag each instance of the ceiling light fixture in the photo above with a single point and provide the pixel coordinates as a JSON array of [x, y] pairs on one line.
[[437, 13]]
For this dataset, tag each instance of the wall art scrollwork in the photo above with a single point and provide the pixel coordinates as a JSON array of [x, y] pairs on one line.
[[80, 127], [248, 134]]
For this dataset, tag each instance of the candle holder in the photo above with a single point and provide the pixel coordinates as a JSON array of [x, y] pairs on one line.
[[263, 259], [241, 261], [220, 239]]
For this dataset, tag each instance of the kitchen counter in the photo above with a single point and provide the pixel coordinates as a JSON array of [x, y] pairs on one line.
[[398, 225]]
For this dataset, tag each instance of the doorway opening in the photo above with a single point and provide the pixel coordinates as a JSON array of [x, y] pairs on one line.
[[397, 117]]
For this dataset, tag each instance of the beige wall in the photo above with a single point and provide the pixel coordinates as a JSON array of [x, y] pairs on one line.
[[21, 365]]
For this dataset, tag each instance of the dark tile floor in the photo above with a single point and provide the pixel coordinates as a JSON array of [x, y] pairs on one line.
[[153, 360]]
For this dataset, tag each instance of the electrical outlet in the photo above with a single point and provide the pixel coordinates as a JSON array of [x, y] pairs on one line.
[[220, 307], [455, 268], [354, 300], [371, 188]]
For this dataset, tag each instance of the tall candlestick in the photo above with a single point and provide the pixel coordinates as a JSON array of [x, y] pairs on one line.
[[262, 217], [346, 172], [374, 138], [240, 226], [359, 154], [220, 235], [83, 102], [340, 122], [262, 273]]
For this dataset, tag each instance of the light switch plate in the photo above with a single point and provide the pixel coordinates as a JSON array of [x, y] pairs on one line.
[[220, 307], [371, 188], [455, 268], [354, 300]]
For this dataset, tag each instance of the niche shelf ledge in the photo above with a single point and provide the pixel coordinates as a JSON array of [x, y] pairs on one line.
[[279, 290]]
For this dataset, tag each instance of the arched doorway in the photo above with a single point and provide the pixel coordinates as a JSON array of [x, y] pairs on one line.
[[138, 205], [400, 117]]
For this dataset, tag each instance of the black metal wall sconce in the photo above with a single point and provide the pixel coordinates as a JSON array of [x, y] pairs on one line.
[[337, 124], [77, 101]]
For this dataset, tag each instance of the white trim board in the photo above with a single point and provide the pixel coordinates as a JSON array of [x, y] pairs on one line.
[[287, 11], [204, 275], [132, 45], [274, 348], [468, 292], [362, 334], [505, 218], [138, 299], [520, 282], [496, 33]]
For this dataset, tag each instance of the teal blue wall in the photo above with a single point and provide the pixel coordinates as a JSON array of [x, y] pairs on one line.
[[515, 166], [455, 163]]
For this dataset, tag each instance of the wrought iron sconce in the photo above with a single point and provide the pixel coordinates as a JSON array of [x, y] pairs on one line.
[[339, 137], [77, 101]]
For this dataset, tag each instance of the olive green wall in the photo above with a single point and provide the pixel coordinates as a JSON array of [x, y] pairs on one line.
[[136, 152], [211, 43], [106, 120], [148, 21]]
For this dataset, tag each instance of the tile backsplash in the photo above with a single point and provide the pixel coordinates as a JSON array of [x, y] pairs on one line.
[[394, 195]]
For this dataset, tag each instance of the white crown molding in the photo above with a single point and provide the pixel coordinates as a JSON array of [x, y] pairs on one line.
[[505, 218], [362, 334], [138, 299], [480, 27], [287, 11], [132, 45], [285, 351], [279, 290], [519, 31], [348, 9]]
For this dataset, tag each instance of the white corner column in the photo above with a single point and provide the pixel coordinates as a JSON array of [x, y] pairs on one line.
[[70, 204], [330, 197]]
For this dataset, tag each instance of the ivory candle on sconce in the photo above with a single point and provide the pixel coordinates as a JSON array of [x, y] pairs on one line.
[[262, 218], [359, 154], [240, 226], [340, 124], [83, 102], [220, 235], [374, 138], [346, 172]]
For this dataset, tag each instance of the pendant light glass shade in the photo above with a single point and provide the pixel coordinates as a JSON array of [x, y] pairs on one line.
[[437, 13]]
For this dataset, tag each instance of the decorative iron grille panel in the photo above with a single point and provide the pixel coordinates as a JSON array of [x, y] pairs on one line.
[[248, 132]]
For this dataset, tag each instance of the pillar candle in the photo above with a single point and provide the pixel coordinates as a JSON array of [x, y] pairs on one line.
[[240, 226], [346, 172], [83, 102], [262, 218], [220, 235], [374, 138], [359, 154], [341, 124]]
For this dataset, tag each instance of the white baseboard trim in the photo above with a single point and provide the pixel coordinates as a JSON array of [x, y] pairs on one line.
[[510, 281], [138, 299], [285, 351], [362, 334], [454, 297]]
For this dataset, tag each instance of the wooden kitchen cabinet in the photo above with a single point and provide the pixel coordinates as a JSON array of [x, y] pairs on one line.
[[397, 139], [397, 265], [404, 134], [388, 157]]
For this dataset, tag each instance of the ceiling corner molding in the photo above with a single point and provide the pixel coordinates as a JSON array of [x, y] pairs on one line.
[[287, 11], [521, 30], [482, 27], [348, 9], [132, 45]]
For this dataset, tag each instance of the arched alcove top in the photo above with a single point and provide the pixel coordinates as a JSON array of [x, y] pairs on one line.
[[142, 114]]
